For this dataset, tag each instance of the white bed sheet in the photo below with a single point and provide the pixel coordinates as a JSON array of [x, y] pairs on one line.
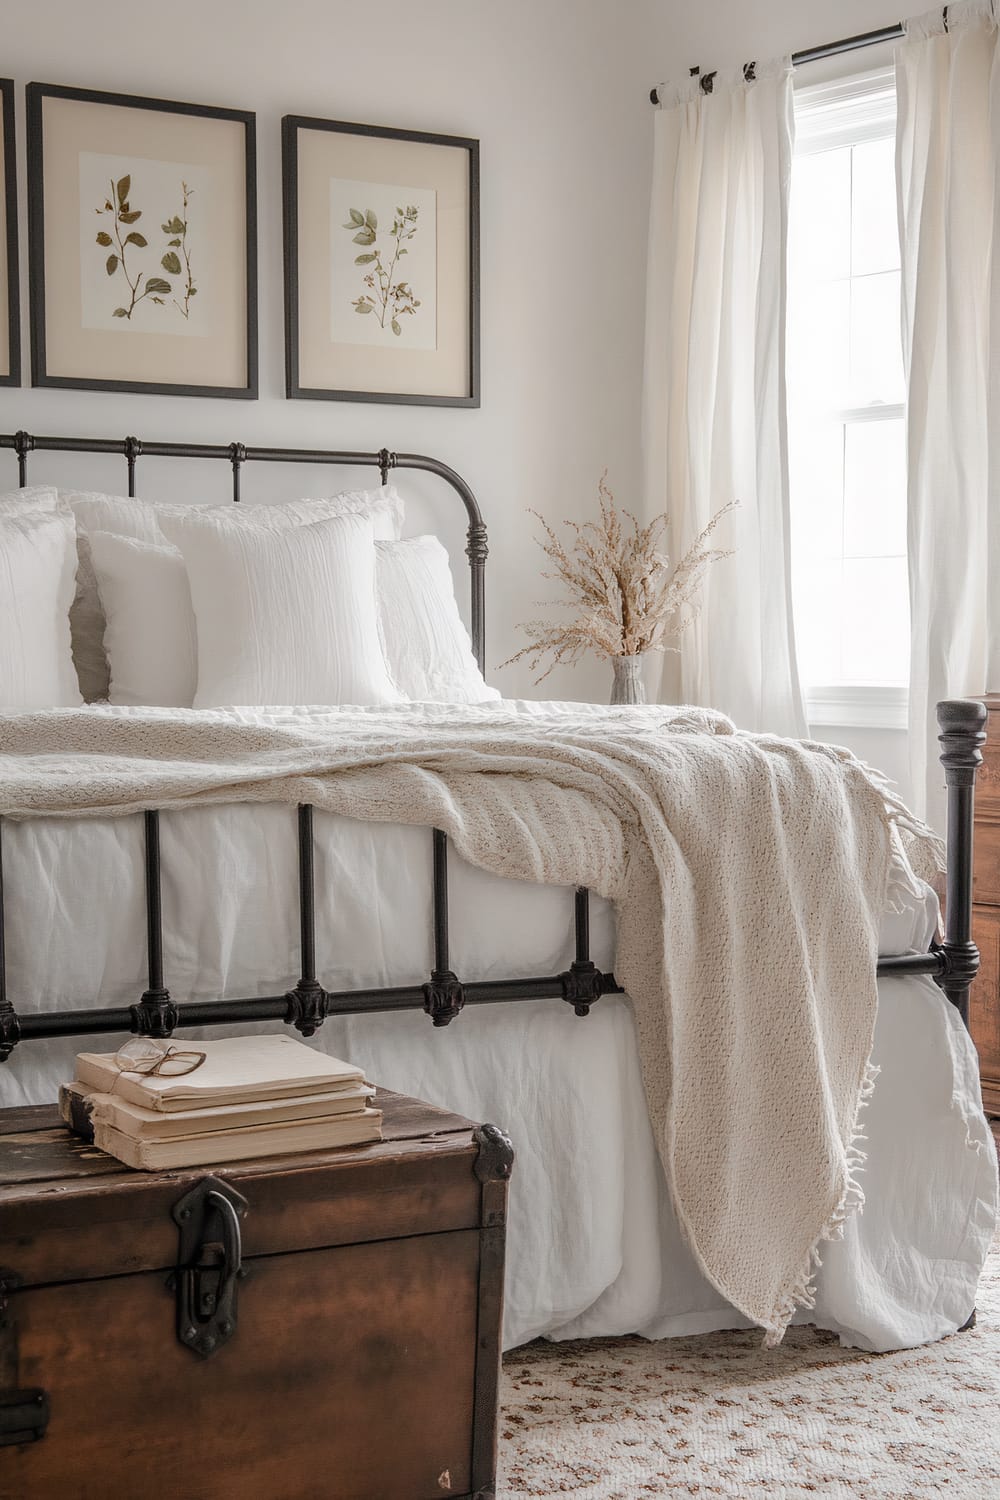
[[593, 1246]]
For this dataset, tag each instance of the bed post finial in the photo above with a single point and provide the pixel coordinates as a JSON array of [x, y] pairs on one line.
[[132, 448], [477, 551], [386, 461], [23, 444], [962, 723], [237, 456]]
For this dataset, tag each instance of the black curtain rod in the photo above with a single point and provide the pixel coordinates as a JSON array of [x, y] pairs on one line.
[[813, 54]]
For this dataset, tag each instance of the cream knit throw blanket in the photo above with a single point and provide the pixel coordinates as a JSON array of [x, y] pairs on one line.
[[749, 874]]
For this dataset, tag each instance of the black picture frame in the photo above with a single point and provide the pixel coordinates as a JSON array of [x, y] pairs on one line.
[[291, 126], [41, 373], [13, 377]]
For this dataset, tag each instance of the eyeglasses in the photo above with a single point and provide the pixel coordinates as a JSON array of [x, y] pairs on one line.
[[150, 1059]]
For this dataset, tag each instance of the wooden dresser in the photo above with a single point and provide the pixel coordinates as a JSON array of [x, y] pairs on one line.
[[984, 1007]]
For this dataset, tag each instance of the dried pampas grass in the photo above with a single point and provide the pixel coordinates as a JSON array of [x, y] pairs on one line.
[[626, 596]]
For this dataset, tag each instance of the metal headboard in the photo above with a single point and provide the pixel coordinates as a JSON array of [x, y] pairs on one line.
[[237, 454]]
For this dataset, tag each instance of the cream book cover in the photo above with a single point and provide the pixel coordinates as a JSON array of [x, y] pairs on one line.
[[237, 1070], [157, 1124], [240, 1145]]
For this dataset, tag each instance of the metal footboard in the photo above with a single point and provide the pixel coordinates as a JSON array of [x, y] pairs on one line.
[[308, 1003]]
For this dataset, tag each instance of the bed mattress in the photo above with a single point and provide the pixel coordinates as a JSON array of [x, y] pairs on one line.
[[593, 1245]]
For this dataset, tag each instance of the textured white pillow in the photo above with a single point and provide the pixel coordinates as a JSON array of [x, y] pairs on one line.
[[32, 498], [114, 513], [37, 580], [140, 520], [149, 634], [151, 638], [384, 507], [285, 615], [426, 645]]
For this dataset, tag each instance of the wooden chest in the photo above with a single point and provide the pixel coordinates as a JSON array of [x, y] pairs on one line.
[[984, 1003], [315, 1327]]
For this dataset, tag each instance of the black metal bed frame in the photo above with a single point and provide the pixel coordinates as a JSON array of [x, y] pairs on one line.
[[953, 962]]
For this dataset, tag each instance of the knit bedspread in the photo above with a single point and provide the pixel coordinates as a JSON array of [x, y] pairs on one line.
[[748, 873]]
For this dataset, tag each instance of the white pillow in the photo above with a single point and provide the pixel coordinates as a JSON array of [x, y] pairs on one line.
[[32, 498], [115, 513], [384, 507], [284, 615], [151, 639], [427, 647], [37, 573], [139, 519], [149, 634]]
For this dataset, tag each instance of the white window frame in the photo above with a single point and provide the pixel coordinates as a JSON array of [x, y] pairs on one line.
[[847, 112]]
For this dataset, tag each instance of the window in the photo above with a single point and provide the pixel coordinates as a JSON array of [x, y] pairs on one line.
[[846, 413]]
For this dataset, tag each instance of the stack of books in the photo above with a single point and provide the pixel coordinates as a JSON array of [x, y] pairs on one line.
[[243, 1098]]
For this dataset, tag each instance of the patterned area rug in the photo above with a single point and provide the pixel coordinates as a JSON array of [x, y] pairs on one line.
[[613, 1419]]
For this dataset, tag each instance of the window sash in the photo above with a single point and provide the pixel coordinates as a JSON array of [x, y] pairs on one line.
[[838, 114], [857, 705]]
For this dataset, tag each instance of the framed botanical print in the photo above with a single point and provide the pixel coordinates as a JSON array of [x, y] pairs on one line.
[[142, 220], [10, 308], [381, 264]]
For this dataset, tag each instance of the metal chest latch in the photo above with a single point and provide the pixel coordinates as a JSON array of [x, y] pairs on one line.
[[209, 1264], [24, 1410]]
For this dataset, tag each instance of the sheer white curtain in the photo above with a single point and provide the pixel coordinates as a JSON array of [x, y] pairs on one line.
[[948, 93], [714, 395]]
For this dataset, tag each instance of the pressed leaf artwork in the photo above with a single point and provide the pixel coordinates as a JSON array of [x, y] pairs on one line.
[[177, 229], [383, 265], [122, 261], [149, 243], [388, 294]]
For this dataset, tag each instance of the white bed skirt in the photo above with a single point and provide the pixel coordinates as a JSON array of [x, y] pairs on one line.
[[593, 1246]]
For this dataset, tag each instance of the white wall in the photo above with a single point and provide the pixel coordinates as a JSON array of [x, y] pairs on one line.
[[723, 33], [555, 91]]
